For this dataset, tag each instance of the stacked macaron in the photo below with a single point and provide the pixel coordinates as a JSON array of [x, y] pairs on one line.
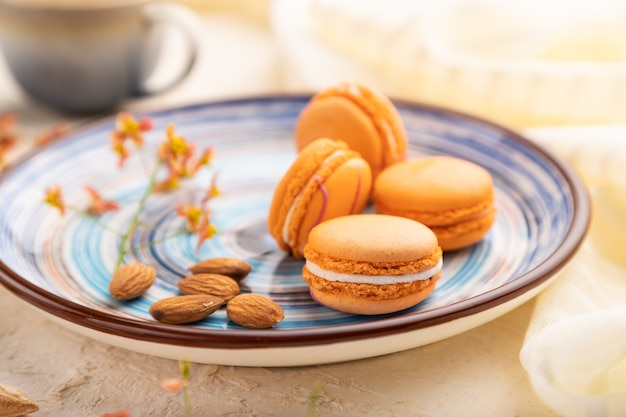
[[345, 136], [352, 150]]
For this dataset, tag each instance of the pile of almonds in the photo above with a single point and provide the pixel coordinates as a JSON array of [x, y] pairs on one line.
[[213, 283]]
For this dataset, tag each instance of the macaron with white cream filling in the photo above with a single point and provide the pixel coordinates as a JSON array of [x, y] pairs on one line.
[[371, 263]]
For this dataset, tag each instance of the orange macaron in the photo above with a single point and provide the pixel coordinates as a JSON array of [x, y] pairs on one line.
[[360, 116], [371, 263], [452, 196], [326, 180]]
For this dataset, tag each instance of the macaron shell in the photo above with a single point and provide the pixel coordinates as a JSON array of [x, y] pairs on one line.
[[373, 238], [434, 218], [343, 191], [464, 233], [389, 123], [339, 118], [435, 184], [383, 114]]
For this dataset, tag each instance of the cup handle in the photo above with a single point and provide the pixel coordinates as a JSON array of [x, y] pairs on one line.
[[189, 25]]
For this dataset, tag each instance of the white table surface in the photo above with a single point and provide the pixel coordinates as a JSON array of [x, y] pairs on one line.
[[476, 373]]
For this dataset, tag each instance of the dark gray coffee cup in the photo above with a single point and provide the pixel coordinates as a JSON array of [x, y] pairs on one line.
[[88, 59]]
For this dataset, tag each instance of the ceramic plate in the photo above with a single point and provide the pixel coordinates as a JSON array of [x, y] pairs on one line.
[[62, 265]]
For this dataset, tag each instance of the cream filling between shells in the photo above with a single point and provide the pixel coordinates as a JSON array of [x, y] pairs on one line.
[[373, 279]]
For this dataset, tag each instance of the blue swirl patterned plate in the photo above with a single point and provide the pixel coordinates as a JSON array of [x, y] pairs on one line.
[[62, 265]]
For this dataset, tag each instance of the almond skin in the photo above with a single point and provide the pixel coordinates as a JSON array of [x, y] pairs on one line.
[[131, 280], [235, 268], [254, 311], [13, 402], [185, 308], [213, 284]]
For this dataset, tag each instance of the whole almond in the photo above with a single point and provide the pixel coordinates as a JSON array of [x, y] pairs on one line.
[[213, 284], [14, 402], [131, 280], [235, 268], [185, 308], [254, 311]]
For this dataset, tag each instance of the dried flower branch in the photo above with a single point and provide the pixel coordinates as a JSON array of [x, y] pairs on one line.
[[180, 384], [207, 229], [54, 198], [56, 132], [185, 373], [198, 221], [172, 384], [9, 138], [192, 215], [212, 191], [198, 218], [134, 223], [98, 206], [175, 156], [128, 128], [179, 158]]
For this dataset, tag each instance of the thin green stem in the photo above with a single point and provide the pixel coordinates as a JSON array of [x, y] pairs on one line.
[[187, 402], [135, 220], [185, 371], [163, 239], [314, 397]]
